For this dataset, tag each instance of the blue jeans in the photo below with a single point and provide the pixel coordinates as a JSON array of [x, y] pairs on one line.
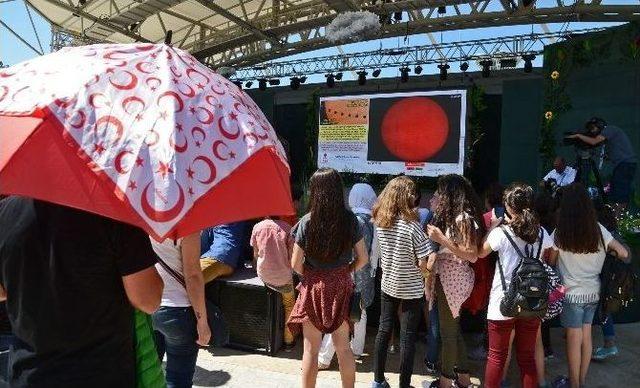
[[433, 341], [176, 334], [621, 181], [608, 332]]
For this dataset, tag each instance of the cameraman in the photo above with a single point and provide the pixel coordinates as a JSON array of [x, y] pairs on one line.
[[562, 174], [619, 151]]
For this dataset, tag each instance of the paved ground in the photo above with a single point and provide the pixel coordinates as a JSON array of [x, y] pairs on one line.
[[230, 368]]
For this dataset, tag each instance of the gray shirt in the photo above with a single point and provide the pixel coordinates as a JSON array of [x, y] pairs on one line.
[[299, 233], [618, 146]]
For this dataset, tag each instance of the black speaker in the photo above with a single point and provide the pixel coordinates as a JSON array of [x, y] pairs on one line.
[[253, 312]]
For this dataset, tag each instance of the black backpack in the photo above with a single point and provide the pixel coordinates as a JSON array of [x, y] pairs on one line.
[[528, 293], [618, 284]]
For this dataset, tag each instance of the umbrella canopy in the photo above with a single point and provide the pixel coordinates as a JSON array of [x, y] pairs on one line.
[[140, 133]]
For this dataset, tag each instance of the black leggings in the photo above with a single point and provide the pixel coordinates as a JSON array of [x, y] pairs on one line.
[[410, 315]]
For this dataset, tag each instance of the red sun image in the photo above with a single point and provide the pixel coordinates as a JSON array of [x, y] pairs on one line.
[[414, 129]]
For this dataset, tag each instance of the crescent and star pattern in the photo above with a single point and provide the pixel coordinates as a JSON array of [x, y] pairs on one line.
[[162, 126]]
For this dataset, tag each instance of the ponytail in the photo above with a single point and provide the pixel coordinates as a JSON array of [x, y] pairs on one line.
[[524, 221]]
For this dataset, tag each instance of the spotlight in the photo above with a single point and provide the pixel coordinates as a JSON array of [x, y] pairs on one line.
[[443, 71], [294, 83], [404, 74], [274, 82], [464, 66], [442, 10], [339, 76], [397, 16], [238, 84], [133, 27], [82, 2], [262, 84], [528, 66], [331, 82], [376, 73], [248, 84], [418, 69], [508, 63], [303, 79], [486, 68], [362, 77]]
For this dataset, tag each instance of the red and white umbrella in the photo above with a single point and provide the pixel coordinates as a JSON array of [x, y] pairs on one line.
[[140, 133]]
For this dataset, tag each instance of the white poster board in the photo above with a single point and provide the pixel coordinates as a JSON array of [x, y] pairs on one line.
[[415, 133]]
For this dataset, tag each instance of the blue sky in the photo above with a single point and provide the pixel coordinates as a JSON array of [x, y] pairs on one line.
[[13, 13]]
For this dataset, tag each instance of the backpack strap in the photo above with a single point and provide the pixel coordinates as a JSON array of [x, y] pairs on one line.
[[513, 244]]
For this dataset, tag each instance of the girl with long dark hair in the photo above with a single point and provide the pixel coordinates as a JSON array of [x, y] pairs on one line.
[[458, 229], [403, 249], [580, 243], [523, 225], [325, 239]]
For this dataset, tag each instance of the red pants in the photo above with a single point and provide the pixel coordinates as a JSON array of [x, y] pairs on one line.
[[526, 330]]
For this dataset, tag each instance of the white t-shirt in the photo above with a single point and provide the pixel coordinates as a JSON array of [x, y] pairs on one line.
[[566, 178], [174, 294], [509, 259], [581, 271]]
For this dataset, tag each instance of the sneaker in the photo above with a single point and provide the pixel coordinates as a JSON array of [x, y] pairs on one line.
[[601, 354], [289, 347], [384, 384], [392, 349], [430, 368], [561, 382], [549, 354], [322, 366]]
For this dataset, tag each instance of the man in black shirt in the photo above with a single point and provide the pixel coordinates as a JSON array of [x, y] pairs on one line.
[[71, 279]]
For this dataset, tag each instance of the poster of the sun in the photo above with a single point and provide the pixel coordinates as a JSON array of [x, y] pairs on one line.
[[415, 133]]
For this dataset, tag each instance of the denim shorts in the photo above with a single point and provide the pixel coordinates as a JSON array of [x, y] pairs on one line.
[[574, 315]]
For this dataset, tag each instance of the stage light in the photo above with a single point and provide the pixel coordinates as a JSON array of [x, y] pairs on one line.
[[404, 74], [133, 27], [294, 83], [464, 66], [528, 66], [238, 84], [362, 77], [486, 68], [331, 82], [507, 63], [376, 73], [274, 82], [442, 10], [339, 76], [443, 70], [418, 69], [82, 2], [397, 16], [262, 84], [248, 84], [303, 79]]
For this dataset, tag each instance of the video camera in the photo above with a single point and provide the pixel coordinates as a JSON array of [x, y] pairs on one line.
[[577, 143], [597, 122]]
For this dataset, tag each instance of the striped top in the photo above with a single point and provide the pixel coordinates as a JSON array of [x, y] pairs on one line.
[[399, 249]]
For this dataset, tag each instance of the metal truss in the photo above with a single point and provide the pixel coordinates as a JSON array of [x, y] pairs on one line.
[[492, 49], [241, 33], [62, 38], [304, 31]]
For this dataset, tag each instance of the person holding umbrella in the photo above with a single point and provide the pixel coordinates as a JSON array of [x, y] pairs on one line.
[[105, 145], [71, 280]]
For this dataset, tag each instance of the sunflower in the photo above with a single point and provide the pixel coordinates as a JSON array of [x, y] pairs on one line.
[[555, 74]]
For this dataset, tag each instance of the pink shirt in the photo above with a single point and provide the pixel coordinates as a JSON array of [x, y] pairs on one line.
[[272, 239]]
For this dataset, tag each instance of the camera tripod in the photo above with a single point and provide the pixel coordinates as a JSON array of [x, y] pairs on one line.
[[584, 166]]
